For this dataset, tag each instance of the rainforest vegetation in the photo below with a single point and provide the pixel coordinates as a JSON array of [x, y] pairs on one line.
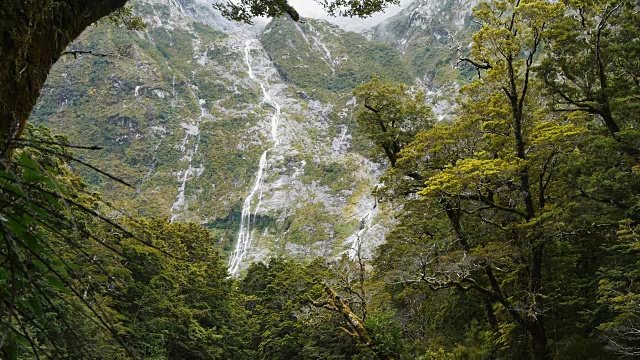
[[517, 234]]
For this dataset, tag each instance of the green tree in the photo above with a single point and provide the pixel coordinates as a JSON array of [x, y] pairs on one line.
[[49, 253], [391, 115], [592, 65], [509, 196], [74, 282], [179, 302], [309, 311], [275, 296], [619, 295]]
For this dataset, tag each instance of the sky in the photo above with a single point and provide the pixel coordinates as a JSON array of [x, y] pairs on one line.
[[309, 8]]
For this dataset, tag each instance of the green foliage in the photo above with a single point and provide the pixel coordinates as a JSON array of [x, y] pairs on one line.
[[618, 295], [516, 205], [386, 334], [336, 175], [310, 224], [591, 67], [516, 236], [178, 301], [390, 115], [76, 282], [44, 218], [247, 10], [284, 325]]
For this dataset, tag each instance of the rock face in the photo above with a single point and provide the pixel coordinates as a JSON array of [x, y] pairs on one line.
[[432, 35], [246, 130], [212, 125]]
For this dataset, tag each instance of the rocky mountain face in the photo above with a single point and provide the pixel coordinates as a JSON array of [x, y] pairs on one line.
[[247, 131], [431, 36]]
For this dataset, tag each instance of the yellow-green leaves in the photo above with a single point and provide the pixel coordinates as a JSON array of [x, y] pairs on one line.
[[473, 176], [443, 144], [552, 134], [512, 30], [538, 15]]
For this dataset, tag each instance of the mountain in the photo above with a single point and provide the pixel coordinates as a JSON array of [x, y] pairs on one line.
[[431, 36], [211, 123], [247, 130], [322, 58]]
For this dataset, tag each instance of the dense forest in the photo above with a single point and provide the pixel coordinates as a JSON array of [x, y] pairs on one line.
[[516, 234]]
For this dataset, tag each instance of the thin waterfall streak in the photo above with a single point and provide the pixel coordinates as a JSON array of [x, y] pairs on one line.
[[247, 58], [357, 243], [190, 131], [245, 234], [274, 124]]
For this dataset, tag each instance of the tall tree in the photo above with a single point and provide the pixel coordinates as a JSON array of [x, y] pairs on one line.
[[592, 65], [518, 200], [489, 216]]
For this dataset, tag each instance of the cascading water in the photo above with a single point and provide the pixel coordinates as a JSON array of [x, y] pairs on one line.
[[355, 246], [245, 232], [191, 130]]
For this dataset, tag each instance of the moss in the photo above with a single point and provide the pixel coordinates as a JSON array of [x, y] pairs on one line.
[[175, 45], [310, 224], [346, 229], [208, 32], [336, 175]]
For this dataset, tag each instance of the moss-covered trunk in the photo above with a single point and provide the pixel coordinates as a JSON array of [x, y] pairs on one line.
[[33, 36]]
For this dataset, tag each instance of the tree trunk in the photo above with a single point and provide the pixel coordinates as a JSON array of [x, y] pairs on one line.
[[33, 36], [494, 327], [391, 155], [537, 331], [538, 335], [539, 341]]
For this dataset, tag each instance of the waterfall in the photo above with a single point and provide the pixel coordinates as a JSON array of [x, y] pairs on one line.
[[245, 232], [191, 130], [357, 243]]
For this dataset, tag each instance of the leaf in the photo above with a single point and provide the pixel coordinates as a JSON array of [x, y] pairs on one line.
[[33, 243], [33, 304], [56, 283]]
